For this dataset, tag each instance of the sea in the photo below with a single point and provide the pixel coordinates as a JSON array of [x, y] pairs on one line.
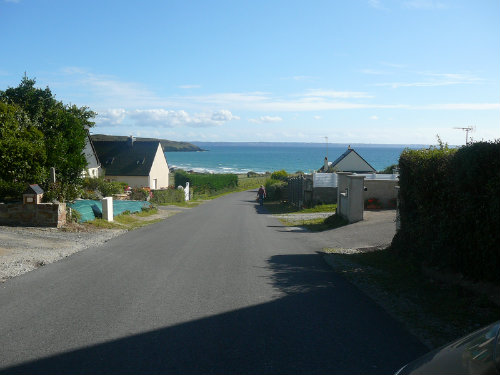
[[241, 157]]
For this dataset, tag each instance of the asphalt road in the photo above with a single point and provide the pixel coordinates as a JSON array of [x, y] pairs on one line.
[[222, 288]]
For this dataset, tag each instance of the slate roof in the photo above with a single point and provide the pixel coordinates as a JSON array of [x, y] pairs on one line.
[[120, 158], [347, 152], [33, 189]]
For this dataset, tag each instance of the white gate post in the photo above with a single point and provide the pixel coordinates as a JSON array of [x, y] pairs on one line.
[[186, 192], [107, 208]]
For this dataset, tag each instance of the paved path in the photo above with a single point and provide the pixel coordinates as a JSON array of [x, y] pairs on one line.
[[222, 288]]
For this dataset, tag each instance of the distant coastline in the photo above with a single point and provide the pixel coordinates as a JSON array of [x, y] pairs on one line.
[[167, 145], [204, 144]]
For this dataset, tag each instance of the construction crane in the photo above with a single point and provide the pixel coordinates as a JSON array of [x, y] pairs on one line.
[[466, 130]]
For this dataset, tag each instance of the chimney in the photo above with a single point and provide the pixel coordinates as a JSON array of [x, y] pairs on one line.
[[325, 167], [130, 141]]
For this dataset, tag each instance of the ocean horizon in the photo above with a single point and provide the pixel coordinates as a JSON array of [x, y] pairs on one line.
[[261, 157]]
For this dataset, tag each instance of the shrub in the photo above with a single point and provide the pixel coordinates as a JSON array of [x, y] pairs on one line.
[[170, 195], [252, 174], [140, 194], [372, 203], [389, 169], [106, 188], [11, 190], [279, 175], [275, 189], [62, 192], [450, 208]]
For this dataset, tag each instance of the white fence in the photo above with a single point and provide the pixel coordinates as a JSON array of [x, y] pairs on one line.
[[324, 180]]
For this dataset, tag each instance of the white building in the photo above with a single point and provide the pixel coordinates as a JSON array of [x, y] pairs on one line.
[[138, 163], [349, 161]]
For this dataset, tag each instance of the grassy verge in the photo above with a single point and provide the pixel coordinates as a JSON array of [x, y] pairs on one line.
[[128, 221], [181, 204], [434, 311], [276, 208], [318, 224]]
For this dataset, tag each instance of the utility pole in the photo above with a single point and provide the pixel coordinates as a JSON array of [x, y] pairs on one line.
[[326, 139], [467, 130]]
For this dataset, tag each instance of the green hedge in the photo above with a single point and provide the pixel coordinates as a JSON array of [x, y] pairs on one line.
[[450, 208], [206, 182], [170, 195], [275, 189]]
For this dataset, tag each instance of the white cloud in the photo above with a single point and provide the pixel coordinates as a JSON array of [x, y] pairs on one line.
[[425, 4], [331, 94], [375, 4], [265, 119], [317, 117], [461, 106], [374, 117], [436, 79], [112, 116], [165, 118]]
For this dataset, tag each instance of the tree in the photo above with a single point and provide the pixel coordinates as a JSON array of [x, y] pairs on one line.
[[22, 151], [62, 126]]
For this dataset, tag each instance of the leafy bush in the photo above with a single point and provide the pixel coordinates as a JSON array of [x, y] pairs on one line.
[[62, 192], [106, 188], [11, 190], [389, 169], [279, 175], [450, 208], [275, 189], [252, 174], [140, 194], [170, 195]]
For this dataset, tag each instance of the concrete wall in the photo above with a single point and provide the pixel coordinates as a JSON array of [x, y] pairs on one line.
[[383, 190], [37, 215]]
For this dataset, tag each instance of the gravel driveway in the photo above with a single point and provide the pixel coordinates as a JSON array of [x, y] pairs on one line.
[[22, 249]]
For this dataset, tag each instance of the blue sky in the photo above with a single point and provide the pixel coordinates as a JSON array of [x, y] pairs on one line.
[[357, 71]]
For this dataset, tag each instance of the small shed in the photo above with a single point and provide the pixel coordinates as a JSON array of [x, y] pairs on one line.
[[33, 194]]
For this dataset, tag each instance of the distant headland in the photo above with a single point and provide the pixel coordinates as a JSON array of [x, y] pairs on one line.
[[168, 146]]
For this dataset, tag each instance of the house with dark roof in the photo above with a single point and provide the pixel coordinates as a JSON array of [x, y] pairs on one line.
[[349, 161], [138, 163], [93, 168]]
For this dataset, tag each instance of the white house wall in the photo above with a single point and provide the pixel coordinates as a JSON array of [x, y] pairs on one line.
[[159, 170], [353, 163]]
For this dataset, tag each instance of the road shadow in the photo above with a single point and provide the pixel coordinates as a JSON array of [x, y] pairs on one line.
[[317, 324]]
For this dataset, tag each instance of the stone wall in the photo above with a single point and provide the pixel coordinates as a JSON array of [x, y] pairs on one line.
[[37, 215]]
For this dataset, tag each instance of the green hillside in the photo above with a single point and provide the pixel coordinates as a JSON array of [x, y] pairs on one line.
[[166, 144]]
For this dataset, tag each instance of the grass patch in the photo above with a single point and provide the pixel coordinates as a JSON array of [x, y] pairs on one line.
[[277, 208], [191, 203], [319, 224], [435, 311], [127, 220]]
